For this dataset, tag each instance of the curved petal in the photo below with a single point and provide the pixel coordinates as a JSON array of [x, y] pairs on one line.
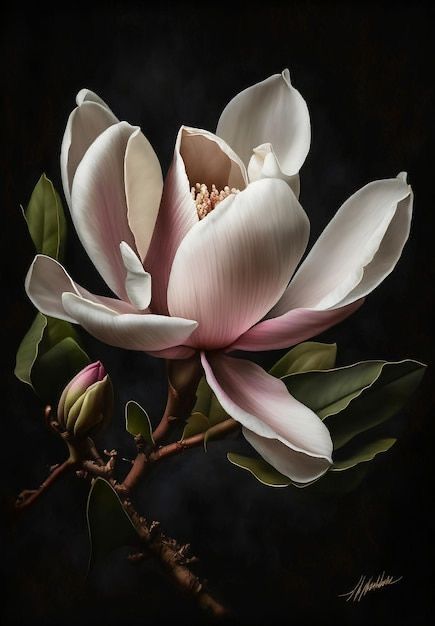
[[47, 280], [202, 157], [84, 125], [138, 281], [129, 331], [262, 404], [234, 264], [143, 189], [291, 328], [86, 95], [301, 468], [99, 205], [264, 164], [272, 111], [358, 248]]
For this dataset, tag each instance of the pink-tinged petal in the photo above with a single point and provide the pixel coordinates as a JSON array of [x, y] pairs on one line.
[[138, 281], [291, 328], [263, 405], [128, 331], [47, 280], [143, 189], [358, 248], [265, 164], [179, 352], [201, 157], [272, 111], [233, 265], [99, 206], [84, 125]]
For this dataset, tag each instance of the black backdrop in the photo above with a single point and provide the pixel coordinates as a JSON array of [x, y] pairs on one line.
[[366, 72]]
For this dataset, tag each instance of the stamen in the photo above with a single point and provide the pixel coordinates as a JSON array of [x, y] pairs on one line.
[[206, 200]]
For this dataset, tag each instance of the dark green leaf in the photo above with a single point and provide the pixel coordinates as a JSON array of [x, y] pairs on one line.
[[56, 367], [137, 421], [29, 347], [306, 357], [330, 392], [109, 525], [196, 423], [259, 468], [366, 452], [46, 219], [216, 413], [377, 403]]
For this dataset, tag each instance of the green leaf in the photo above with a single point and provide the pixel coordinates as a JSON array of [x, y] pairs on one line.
[[259, 468], [307, 356], [46, 220], [203, 397], [137, 421], [56, 367], [377, 403], [196, 423], [109, 526], [28, 351], [329, 392], [216, 413], [366, 452], [57, 330]]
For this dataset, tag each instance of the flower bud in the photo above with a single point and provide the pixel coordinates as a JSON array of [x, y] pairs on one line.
[[86, 403]]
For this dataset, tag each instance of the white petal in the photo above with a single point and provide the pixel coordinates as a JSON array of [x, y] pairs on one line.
[[233, 265], [143, 188], [128, 331], [301, 468], [47, 280], [356, 251], [84, 125], [264, 164], [99, 205], [86, 95], [272, 111], [138, 281]]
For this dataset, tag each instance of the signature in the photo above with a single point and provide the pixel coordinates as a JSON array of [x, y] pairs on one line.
[[366, 584]]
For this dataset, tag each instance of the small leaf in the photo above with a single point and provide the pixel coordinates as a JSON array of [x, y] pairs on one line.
[[259, 468], [46, 220], [56, 367], [29, 347], [378, 402], [57, 330], [109, 526], [137, 422], [366, 452], [307, 356], [196, 423], [203, 398]]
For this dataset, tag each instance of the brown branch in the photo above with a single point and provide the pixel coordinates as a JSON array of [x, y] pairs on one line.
[[143, 461], [27, 497], [174, 559]]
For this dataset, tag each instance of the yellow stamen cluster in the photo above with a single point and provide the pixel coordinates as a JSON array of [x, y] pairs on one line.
[[206, 200]]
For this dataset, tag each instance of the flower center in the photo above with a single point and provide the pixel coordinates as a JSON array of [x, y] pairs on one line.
[[206, 200]]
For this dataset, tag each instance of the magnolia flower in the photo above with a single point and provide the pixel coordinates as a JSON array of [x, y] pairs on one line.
[[221, 250]]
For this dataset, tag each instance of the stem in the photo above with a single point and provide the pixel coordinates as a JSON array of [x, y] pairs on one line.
[[29, 496], [174, 560], [143, 461], [183, 379]]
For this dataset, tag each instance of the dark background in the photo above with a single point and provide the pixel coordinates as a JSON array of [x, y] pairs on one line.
[[367, 73]]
